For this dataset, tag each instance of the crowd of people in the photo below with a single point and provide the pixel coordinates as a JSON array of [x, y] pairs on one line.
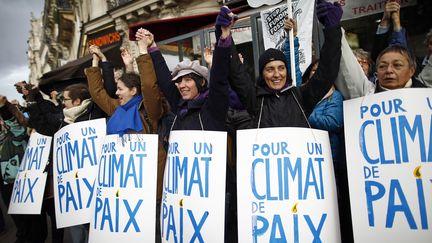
[[218, 97]]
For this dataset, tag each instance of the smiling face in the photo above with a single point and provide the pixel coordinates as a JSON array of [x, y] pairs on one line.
[[124, 93], [187, 87], [274, 74], [394, 70]]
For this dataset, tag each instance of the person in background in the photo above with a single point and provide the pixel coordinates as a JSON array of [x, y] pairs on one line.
[[425, 76], [78, 107], [365, 61], [30, 228]]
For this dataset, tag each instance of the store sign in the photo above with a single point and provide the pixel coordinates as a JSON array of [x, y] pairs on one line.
[[389, 148], [104, 38], [358, 8]]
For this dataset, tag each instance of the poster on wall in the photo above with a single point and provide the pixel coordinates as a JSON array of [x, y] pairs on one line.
[[274, 35], [389, 161], [29, 186], [193, 196], [75, 156], [286, 189], [124, 205]]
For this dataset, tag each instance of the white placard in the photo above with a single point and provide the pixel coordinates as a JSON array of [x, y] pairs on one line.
[[124, 206], [76, 151], [272, 21], [193, 200], [286, 189], [389, 159], [29, 185]]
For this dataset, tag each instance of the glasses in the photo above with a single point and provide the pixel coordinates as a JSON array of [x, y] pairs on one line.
[[65, 99], [362, 61]]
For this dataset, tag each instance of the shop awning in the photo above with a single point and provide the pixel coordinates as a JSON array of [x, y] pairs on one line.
[[73, 72], [163, 29]]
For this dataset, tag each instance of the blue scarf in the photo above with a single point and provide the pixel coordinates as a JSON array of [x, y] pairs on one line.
[[126, 117]]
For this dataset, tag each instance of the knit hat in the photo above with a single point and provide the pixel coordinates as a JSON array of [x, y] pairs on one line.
[[268, 56], [186, 67], [271, 55]]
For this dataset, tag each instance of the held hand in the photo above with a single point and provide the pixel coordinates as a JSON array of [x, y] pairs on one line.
[[290, 24], [224, 22], [93, 49], [395, 16], [389, 9], [126, 55], [329, 14]]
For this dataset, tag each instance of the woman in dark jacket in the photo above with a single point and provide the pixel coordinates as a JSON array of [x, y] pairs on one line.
[[275, 102]]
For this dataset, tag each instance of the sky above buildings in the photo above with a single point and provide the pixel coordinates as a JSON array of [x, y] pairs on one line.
[[15, 30]]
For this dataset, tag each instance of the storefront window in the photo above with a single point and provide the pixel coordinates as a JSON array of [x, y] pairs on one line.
[[187, 48]]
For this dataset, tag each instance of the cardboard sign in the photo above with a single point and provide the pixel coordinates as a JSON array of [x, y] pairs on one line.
[[274, 35], [124, 208], [76, 154], [286, 189], [29, 185], [193, 201], [389, 160]]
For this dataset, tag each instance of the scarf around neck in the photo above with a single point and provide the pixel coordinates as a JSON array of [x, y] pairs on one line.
[[126, 118], [71, 114]]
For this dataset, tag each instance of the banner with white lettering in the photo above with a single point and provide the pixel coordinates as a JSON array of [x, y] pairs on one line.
[[76, 150], [193, 200], [358, 8], [286, 189], [389, 160], [274, 35], [124, 208], [29, 185]]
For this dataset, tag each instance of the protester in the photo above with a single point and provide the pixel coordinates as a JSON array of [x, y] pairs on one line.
[[425, 76], [199, 103], [45, 117], [133, 112], [275, 102], [395, 64], [365, 61], [30, 228]]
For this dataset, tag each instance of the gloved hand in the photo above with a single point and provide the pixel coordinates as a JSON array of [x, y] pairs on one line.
[[223, 19], [329, 14]]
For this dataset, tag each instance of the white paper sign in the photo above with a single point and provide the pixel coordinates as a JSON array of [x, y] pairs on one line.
[[76, 151], [29, 185], [358, 8], [273, 28], [389, 160], [193, 200], [124, 206], [258, 3], [286, 189]]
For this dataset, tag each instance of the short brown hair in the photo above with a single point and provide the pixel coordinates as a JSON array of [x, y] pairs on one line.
[[78, 91], [131, 80]]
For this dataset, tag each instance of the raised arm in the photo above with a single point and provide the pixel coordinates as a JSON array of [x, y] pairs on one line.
[[96, 88], [149, 87]]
